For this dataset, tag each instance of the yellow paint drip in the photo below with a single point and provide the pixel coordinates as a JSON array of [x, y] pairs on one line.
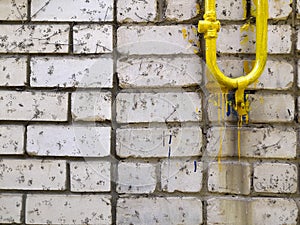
[[184, 33], [240, 124], [244, 2], [198, 9]]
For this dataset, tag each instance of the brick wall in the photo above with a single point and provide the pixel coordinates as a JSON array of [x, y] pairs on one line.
[[107, 116]]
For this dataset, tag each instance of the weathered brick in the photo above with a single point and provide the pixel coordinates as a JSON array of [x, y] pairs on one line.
[[136, 178], [181, 175], [78, 141], [32, 174], [92, 38], [269, 142], [13, 71], [171, 210], [68, 209], [231, 10], [277, 9], [157, 39], [11, 139], [90, 176], [182, 10], [71, 72], [137, 11], [10, 208], [13, 10], [159, 142], [180, 71], [229, 177], [253, 210], [159, 107], [35, 106], [69, 10], [272, 77], [91, 106], [239, 39], [34, 38], [275, 177]]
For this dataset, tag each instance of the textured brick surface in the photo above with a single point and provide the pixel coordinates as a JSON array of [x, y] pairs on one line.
[[33, 106], [68, 141], [231, 10], [277, 9], [182, 10], [13, 71], [10, 208], [13, 10], [32, 174], [69, 10], [68, 209], [159, 211], [11, 139]]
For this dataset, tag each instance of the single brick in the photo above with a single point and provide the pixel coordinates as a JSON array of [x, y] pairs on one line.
[[10, 208], [34, 38], [170, 210], [11, 139], [270, 142], [32, 174], [271, 108], [182, 10], [256, 210], [241, 39], [152, 71], [13, 10], [275, 177], [159, 142], [157, 39], [229, 177], [136, 178], [181, 175], [68, 209], [35, 106], [71, 72], [13, 71], [91, 106], [271, 78], [277, 9], [70, 10], [51, 140], [136, 11], [93, 38], [90, 176], [231, 10], [159, 107]]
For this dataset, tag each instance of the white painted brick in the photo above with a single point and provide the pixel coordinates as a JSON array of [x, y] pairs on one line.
[[137, 11], [277, 75], [272, 108], [231, 10], [181, 175], [277, 9], [32, 174], [269, 142], [71, 72], [70, 10], [182, 10], [75, 141], [275, 178], [34, 38], [229, 177], [11, 139], [253, 210], [13, 10], [159, 107], [171, 210], [10, 208], [136, 178], [90, 176], [68, 209], [233, 39], [157, 39], [93, 38], [159, 142], [160, 72], [13, 71], [91, 106], [35, 106]]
